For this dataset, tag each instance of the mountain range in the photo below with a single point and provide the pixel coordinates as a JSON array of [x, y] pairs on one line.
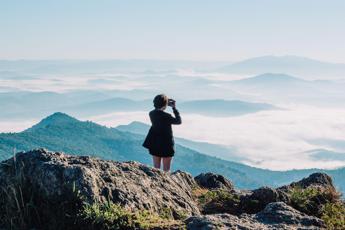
[[280, 88], [289, 64], [61, 132], [29, 105]]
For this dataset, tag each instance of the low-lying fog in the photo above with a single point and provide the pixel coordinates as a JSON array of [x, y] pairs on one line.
[[306, 128]]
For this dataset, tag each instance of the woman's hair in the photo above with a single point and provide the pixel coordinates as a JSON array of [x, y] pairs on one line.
[[160, 101]]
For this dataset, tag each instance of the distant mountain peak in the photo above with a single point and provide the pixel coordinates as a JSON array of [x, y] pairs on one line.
[[281, 59], [296, 65], [137, 123], [59, 116], [56, 118], [292, 57], [134, 127], [276, 76], [271, 78]]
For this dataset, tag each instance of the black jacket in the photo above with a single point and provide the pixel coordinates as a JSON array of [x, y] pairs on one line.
[[160, 140]]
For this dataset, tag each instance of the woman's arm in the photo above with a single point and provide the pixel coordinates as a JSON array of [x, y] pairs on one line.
[[177, 119]]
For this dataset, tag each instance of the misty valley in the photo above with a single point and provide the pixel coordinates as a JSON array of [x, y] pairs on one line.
[[260, 116]]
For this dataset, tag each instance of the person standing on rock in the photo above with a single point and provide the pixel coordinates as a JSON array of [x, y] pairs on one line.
[[159, 140]]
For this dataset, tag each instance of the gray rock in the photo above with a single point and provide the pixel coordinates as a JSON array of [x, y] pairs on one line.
[[258, 199], [133, 185], [321, 180], [57, 180], [276, 215], [213, 181], [223, 221], [279, 213]]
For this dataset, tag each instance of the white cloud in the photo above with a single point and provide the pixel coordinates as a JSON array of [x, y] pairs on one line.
[[270, 139], [61, 83], [275, 139], [120, 118]]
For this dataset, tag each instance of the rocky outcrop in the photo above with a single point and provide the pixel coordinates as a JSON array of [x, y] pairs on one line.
[[310, 194], [277, 215], [317, 180], [284, 216], [222, 222], [213, 181], [133, 185], [258, 199], [60, 184]]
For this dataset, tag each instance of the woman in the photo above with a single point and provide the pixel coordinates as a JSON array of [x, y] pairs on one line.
[[159, 140]]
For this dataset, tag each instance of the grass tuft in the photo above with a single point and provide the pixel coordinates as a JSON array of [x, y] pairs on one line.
[[106, 216], [112, 216]]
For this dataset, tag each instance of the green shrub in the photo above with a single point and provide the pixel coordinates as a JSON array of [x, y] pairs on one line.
[[217, 201], [302, 199], [311, 200], [323, 203], [217, 195], [333, 214]]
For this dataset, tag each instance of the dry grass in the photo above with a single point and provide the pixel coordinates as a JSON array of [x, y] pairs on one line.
[[198, 191]]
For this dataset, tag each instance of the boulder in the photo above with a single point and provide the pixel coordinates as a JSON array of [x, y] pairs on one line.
[[276, 215], [213, 181], [54, 176], [320, 180], [310, 194], [258, 199], [223, 221], [281, 214]]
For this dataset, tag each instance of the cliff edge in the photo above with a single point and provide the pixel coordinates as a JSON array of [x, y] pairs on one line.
[[52, 190]]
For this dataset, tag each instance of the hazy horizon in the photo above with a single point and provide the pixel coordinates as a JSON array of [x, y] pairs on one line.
[[219, 61], [267, 76]]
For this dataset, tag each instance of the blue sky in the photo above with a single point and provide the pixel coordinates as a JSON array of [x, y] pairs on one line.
[[223, 30]]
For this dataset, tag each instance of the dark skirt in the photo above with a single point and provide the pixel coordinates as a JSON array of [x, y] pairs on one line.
[[159, 145], [158, 154]]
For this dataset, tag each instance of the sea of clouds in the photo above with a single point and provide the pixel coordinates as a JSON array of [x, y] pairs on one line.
[[275, 139]]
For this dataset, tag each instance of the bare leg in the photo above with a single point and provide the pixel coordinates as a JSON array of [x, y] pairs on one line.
[[166, 163], [156, 162]]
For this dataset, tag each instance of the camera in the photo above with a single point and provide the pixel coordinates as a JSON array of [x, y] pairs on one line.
[[171, 102]]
